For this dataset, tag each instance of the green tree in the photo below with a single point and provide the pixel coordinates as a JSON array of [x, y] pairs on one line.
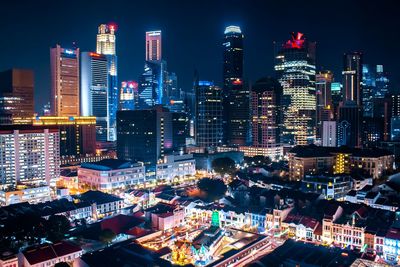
[[213, 189], [57, 227], [224, 166], [106, 236]]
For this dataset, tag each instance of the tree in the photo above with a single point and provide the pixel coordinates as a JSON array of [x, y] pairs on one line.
[[258, 160], [224, 166], [57, 227], [106, 236], [212, 189]]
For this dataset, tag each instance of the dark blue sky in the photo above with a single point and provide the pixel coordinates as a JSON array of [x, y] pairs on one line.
[[192, 33]]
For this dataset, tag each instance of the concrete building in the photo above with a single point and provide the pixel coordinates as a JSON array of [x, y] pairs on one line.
[[16, 95], [110, 174], [29, 155], [176, 166], [31, 195], [64, 64]]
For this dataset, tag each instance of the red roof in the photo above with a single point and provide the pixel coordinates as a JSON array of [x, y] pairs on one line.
[[118, 224], [50, 251], [309, 222]]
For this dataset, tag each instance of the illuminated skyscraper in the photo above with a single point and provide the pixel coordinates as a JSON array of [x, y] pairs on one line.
[[94, 92], [153, 46], [208, 114], [381, 82], [295, 69], [235, 94], [128, 96], [64, 64], [106, 41], [352, 77], [266, 113], [324, 100], [16, 95], [368, 90]]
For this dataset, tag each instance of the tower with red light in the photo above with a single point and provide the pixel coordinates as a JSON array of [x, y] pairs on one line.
[[295, 70]]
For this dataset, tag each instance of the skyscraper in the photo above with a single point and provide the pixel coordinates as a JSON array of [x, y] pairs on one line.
[[106, 41], [352, 77], [266, 113], [144, 135], [236, 117], [324, 100], [209, 131], [368, 89], [128, 96], [295, 69], [94, 92], [16, 95], [153, 46], [349, 125], [381, 82], [64, 64]]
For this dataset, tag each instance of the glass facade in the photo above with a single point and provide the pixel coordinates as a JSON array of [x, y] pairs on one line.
[[295, 70]]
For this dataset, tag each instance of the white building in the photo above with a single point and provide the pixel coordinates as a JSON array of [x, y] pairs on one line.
[[25, 194], [29, 155], [110, 174], [176, 165], [329, 133]]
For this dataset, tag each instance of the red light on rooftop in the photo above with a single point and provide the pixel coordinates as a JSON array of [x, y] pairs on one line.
[[92, 54], [112, 26], [297, 41], [237, 82]]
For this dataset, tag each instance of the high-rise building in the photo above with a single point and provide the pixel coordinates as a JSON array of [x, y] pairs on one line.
[[368, 90], [209, 130], [266, 113], [233, 56], [94, 92], [152, 84], [324, 100], [295, 69], [144, 135], [329, 133], [77, 134], [106, 41], [349, 125], [352, 77], [381, 82], [128, 96], [180, 130], [64, 64], [29, 155], [16, 95], [153, 46], [236, 117]]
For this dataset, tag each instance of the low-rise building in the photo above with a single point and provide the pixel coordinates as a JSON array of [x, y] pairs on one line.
[[35, 194], [110, 174], [330, 186], [314, 160], [165, 216], [176, 166], [50, 254], [103, 204], [391, 247]]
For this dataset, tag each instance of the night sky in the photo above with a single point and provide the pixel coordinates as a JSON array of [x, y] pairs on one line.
[[193, 31]]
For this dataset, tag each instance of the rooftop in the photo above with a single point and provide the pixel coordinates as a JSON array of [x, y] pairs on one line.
[[97, 197], [47, 252], [109, 165]]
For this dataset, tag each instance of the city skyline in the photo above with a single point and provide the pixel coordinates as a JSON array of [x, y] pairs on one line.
[[182, 41]]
